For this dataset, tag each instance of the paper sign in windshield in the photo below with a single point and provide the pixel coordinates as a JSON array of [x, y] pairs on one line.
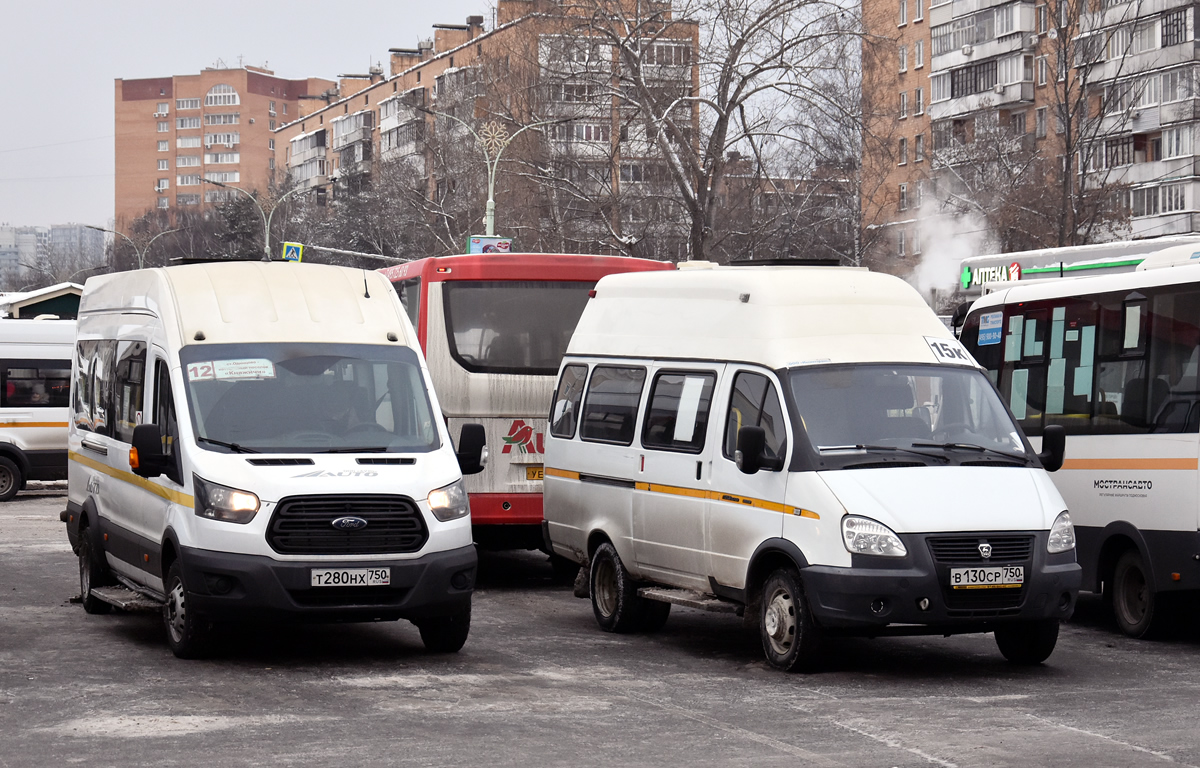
[[231, 370], [990, 327], [949, 351]]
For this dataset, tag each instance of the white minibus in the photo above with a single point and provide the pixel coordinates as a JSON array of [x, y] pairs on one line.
[[808, 446], [1113, 361], [260, 441], [35, 384]]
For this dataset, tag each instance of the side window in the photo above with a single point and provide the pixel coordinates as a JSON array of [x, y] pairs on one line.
[[567, 397], [85, 351], [35, 383], [755, 403], [103, 371], [1122, 383], [677, 416], [1024, 376], [164, 407], [610, 409], [131, 377], [410, 296], [1172, 397], [1071, 367]]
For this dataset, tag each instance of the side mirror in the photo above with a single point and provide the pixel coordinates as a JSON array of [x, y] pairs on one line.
[[146, 458], [751, 454], [1054, 447], [472, 449]]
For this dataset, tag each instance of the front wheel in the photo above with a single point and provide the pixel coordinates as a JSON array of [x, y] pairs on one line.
[[92, 573], [790, 636], [10, 479], [615, 600], [1134, 600], [1028, 642], [187, 633], [446, 634]]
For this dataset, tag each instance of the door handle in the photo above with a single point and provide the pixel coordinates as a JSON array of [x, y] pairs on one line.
[[96, 447]]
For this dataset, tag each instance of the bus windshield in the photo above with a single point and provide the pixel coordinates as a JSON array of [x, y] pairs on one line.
[[903, 406], [308, 398], [508, 326]]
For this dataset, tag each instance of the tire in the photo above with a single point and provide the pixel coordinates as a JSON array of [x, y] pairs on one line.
[[92, 573], [446, 634], [1134, 600], [654, 615], [187, 633], [615, 600], [791, 638], [11, 480], [1028, 642]]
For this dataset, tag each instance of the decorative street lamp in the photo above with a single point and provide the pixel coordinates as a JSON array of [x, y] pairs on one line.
[[266, 215], [141, 252]]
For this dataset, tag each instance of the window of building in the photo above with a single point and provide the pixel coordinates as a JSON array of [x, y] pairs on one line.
[[1176, 142], [902, 204], [285, 108], [225, 177], [187, 104], [1017, 123], [915, 197], [902, 151], [182, 200], [271, 108], [164, 146], [161, 109], [918, 10], [1144, 202], [918, 147], [228, 139], [164, 202], [221, 96], [270, 163], [187, 161], [188, 180], [901, 251], [940, 87], [271, 144], [1174, 27], [219, 158], [271, 125], [611, 406], [164, 165], [1043, 70], [187, 142], [677, 412], [919, 53], [903, 54], [903, 104], [162, 184], [222, 118], [1039, 122], [1172, 197], [903, 13], [186, 123], [1043, 19], [163, 126], [973, 78], [919, 101]]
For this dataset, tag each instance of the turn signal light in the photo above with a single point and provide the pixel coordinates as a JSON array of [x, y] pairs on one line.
[[1175, 577], [133, 458]]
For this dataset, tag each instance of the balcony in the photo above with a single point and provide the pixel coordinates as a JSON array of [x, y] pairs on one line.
[[1120, 13], [999, 96], [352, 136], [1182, 223], [300, 158], [1024, 40], [1136, 63]]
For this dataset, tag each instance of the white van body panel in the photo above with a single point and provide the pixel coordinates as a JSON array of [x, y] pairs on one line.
[[36, 428]]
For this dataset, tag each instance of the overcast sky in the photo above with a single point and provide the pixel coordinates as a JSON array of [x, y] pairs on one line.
[[60, 60]]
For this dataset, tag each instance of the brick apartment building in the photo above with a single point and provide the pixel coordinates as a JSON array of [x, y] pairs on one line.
[[218, 124], [944, 74], [535, 65]]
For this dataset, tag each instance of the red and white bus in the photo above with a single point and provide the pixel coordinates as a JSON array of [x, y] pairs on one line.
[[494, 328]]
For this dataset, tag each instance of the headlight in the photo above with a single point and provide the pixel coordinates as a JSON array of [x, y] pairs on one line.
[[449, 503], [864, 536], [1062, 534], [216, 502]]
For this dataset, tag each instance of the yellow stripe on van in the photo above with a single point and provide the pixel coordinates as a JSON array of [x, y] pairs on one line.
[[1191, 464], [17, 424], [561, 473], [128, 477], [672, 490]]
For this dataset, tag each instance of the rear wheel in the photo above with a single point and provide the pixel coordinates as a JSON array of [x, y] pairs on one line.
[[10, 479], [92, 573], [791, 638], [1134, 600], [446, 634], [187, 633], [615, 601], [1028, 642]]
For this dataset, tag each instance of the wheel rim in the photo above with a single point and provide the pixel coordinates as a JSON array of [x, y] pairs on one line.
[[605, 588], [176, 612], [1134, 596], [6, 481], [779, 621]]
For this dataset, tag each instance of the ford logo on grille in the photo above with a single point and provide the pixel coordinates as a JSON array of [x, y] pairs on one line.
[[349, 523], [985, 549]]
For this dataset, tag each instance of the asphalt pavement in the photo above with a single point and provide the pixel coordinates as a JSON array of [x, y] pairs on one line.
[[538, 684]]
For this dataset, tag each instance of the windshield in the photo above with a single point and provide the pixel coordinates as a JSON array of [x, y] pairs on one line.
[[308, 398], [512, 326], [903, 406]]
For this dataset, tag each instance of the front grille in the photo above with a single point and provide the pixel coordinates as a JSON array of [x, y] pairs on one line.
[[964, 550], [302, 525]]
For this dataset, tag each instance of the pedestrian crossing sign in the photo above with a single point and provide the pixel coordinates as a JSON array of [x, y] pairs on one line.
[[293, 251]]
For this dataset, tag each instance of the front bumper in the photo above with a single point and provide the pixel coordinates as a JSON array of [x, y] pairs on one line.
[[911, 595], [254, 587]]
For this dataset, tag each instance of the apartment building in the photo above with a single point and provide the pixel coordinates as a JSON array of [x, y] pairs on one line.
[[172, 132], [537, 69], [959, 92]]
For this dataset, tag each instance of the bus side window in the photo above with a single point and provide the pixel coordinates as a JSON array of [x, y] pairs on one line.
[[410, 296], [565, 413], [1121, 377], [164, 414], [1023, 379], [1173, 394], [1070, 367], [677, 415], [610, 409], [85, 351], [131, 369]]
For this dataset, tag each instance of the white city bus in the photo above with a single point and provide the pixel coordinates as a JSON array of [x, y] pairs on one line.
[[1113, 359]]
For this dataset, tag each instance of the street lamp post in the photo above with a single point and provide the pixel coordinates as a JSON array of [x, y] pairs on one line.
[[266, 215], [141, 252]]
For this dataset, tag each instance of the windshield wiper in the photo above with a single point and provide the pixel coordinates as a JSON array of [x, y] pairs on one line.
[[864, 447], [371, 449], [973, 447], [231, 446]]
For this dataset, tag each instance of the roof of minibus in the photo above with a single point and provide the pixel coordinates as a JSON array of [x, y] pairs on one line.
[[774, 316], [1051, 288], [20, 331], [255, 301], [520, 266]]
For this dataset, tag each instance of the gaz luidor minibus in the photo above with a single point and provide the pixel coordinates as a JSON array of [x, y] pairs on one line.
[[260, 441], [35, 383], [809, 446], [1112, 360], [494, 328]]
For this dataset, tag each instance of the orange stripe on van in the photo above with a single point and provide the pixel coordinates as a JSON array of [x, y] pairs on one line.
[[19, 424], [119, 474], [1191, 464], [561, 473]]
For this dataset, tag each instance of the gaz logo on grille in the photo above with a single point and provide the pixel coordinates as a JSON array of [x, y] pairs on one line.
[[340, 473], [985, 550]]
